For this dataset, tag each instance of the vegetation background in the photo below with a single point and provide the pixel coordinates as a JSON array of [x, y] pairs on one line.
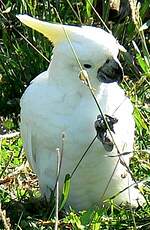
[[26, 53]]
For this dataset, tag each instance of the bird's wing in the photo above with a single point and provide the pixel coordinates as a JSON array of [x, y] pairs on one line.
[[26, 124], [26, 134]]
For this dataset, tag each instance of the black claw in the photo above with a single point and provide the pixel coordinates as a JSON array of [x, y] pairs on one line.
[[101, 128], [111, 121]]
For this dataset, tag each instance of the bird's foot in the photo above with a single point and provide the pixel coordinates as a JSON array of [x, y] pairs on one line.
[[101, 126]]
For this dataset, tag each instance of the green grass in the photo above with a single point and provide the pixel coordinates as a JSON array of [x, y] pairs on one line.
[[19, 196], [20, 63]]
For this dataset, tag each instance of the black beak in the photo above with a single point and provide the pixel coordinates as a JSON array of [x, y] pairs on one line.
[[111, 71]]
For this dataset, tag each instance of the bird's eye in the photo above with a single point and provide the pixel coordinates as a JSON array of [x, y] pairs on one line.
[[87, 66]]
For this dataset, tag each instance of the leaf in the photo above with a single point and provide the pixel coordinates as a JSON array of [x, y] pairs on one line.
[[142, 63], [66, 190], [136, 47], [139, 119], [87, 216], [88, 8], [75, 220], [7, 10], [144, 9], [89, 4], [145, 26]]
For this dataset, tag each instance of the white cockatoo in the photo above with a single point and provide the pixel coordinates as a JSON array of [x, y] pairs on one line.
[[58, 102]]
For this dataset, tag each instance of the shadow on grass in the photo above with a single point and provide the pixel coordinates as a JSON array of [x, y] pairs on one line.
[[28, 214], [35, 213]]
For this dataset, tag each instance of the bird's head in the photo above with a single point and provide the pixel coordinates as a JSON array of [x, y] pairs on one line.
[[85, 47]]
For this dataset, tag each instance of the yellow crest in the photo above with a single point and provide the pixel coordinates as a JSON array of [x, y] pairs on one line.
[[54, 32]]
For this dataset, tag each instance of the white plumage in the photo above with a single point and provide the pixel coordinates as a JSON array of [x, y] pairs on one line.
[[58, 102]]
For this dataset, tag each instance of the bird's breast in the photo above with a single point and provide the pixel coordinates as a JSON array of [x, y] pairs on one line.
[[53, 111]]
